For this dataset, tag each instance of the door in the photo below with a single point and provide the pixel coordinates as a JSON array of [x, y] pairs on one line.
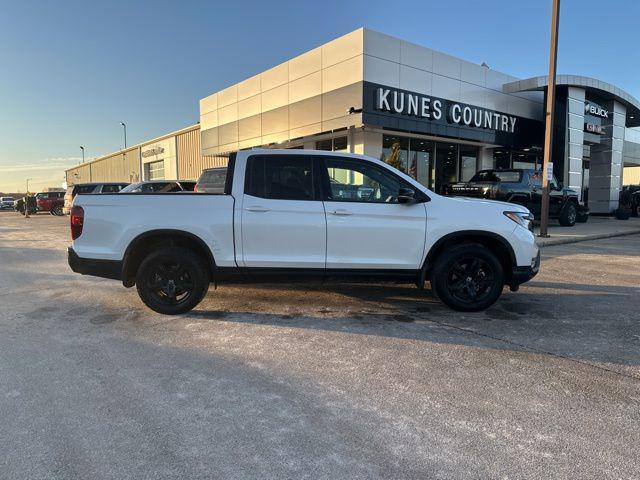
[[366, 226], [283, 222]]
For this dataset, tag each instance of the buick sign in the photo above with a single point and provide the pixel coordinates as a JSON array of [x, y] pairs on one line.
[[597, 110]]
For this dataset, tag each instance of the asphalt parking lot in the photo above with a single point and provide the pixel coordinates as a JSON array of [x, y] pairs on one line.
[[336, 382]]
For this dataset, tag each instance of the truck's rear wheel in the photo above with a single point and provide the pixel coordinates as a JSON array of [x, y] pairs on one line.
[[467, 278], [172, 280], [57, 211]]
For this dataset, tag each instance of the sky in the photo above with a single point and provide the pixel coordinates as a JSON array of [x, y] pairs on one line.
[[71, 71]]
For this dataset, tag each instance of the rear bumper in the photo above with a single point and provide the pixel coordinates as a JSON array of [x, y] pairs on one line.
[[521, 275], [98, 268]]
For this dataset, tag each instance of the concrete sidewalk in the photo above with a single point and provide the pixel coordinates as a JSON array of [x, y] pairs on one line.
[[595, 228]]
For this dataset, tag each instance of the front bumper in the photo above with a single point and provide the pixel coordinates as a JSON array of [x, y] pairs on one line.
[[521, 275], [91, 266]]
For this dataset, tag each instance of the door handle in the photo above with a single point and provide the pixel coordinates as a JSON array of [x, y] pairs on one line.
[[257, 208], [341, 212]]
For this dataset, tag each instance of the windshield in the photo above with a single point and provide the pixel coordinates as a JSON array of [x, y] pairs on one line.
[[496, 176]]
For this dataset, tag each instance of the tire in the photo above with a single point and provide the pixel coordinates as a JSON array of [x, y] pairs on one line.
[[582, 217], [57, 211], [172, 280], [467, 278], [568, 215]]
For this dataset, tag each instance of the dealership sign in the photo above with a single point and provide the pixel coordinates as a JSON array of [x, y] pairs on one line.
[[593, 109], [431, 108], [152, 152], [593, 128]]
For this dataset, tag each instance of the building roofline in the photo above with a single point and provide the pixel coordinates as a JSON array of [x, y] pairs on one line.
[[138, 145], [589, 83]]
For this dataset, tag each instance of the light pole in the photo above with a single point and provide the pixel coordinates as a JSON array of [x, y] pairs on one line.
[[26, 200], [548, 133], [82, 148], [124, 126]]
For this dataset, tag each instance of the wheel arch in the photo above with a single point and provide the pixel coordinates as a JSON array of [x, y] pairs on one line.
[[146, 242], [495, 243]]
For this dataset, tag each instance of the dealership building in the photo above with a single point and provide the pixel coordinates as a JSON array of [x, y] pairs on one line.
[[367, 92]]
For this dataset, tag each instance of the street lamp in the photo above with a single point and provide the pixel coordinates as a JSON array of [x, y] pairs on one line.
[[124, 126], [82, 148]]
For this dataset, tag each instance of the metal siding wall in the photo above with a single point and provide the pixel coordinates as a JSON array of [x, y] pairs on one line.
[[211, 161], [190, 163], [132, 166], [83, 174], [631, 176]]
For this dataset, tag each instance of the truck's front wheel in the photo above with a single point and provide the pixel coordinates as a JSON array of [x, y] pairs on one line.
[[172, 280], [467, 278]]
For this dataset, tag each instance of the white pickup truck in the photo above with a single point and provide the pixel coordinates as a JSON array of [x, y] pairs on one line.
[[292, 215]]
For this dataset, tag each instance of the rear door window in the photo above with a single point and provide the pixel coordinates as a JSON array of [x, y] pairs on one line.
[[286, 177]]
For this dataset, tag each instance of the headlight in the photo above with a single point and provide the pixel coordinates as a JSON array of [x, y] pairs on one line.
[[521, 218]]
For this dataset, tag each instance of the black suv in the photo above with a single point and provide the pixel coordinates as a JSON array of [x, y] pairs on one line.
[[524, 187]]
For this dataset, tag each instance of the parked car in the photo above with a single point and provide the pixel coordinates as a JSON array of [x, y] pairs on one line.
[[52, 202], [160, 186], [6, 203], [281, 217], [212, 180], [86, 188], [524, 187]]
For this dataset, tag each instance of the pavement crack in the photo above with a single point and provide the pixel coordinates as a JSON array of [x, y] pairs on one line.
[[533, 349]]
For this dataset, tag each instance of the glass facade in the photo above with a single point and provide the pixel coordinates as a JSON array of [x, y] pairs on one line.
[[434, 164], [155, 170], [506, 158]]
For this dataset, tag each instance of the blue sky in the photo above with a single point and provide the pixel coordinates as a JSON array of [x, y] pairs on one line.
[[70, 71]]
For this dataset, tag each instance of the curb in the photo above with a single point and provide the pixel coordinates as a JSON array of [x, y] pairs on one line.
[[542, 243]]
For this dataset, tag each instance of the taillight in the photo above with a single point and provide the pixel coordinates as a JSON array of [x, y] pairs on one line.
[[77, 221], [195, 188]]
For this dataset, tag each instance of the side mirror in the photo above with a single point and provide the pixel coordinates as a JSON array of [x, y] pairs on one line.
[[406, 195]]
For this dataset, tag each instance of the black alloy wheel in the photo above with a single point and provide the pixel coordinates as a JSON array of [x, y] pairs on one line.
[[470, 279], [467, 277], [172, 280], [57, 211]]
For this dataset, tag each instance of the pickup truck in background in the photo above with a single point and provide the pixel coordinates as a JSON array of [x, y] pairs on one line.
[[524, 187], [293, 215]]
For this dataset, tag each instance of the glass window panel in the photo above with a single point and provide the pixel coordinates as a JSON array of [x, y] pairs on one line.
[[468, 162], [155, 170], [502, 158], [324, 145], [447, 159], [395, 152], [340, 144], [288, 178], [359, 182], [420, 160]]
